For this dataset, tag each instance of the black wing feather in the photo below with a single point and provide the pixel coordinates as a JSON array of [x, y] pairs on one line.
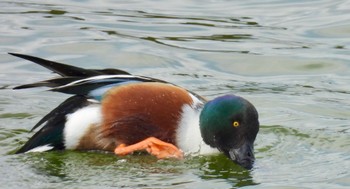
[[56, 82], [83, 87], [68, 73]]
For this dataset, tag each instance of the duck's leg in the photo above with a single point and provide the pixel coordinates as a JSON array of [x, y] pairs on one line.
[[152, 145]]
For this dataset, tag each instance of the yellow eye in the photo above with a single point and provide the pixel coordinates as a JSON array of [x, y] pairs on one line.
[[235, 124]]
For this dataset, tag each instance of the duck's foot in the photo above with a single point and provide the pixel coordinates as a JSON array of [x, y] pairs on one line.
[[154, 146]]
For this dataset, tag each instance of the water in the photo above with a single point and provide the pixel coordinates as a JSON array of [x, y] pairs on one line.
[[291, 59]]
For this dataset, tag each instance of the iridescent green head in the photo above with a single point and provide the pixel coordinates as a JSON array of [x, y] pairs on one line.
[[230, 123]]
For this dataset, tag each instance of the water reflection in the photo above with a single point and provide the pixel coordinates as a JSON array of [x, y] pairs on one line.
[[221, 168], [49, 164], [136, 170]]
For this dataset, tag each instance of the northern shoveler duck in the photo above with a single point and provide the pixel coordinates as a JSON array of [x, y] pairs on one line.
[[115, 111]]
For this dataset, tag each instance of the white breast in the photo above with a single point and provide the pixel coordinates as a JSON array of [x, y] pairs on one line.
[[189, 138]]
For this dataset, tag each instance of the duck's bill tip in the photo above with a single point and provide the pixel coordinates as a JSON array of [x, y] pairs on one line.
[[244, 155]]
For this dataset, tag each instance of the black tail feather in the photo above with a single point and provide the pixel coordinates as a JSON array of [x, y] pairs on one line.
[[67, 70], [52, 132]]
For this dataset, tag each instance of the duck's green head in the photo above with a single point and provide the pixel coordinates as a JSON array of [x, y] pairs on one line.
[[230, 123]]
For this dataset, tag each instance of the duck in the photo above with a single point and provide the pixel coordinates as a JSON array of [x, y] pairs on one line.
[[114, 111]]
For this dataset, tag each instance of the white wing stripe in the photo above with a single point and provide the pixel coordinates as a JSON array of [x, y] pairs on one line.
[[101, 77]]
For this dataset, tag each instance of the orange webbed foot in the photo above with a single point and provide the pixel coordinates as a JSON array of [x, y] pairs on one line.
[[154, 146]]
